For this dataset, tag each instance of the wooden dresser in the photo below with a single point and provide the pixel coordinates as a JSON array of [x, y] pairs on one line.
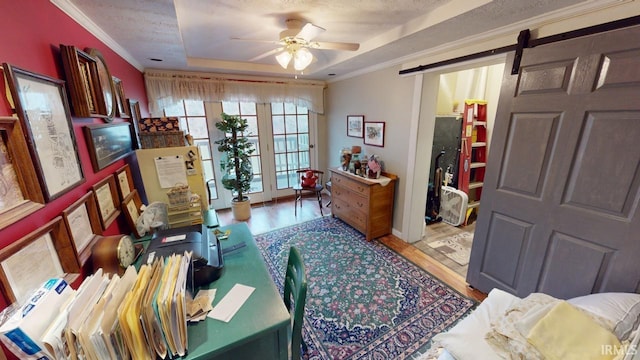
[[365, 204]]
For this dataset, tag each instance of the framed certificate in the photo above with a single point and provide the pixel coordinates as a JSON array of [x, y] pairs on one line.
[[106, 196], [83, 225], [131, 208], [124, 181], [43, 254]]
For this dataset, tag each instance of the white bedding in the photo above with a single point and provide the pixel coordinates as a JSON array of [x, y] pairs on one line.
[[617, 312]]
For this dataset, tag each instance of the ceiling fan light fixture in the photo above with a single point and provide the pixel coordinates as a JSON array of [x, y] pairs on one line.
[[284, 58], [302, 58]]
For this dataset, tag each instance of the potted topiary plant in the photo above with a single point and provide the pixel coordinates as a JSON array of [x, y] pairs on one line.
[[236, 164]]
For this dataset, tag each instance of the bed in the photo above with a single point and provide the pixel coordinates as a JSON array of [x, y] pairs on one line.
[[503, 326]]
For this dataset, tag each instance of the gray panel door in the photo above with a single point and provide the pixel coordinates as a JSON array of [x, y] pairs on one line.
[[559, 206]]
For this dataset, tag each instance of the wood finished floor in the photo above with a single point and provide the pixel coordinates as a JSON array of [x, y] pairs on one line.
[[277, 214]]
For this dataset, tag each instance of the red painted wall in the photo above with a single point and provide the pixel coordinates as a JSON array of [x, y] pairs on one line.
[[32, 31]]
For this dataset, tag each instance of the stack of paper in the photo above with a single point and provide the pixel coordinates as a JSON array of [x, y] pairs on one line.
[[25, 333], [141, 315]]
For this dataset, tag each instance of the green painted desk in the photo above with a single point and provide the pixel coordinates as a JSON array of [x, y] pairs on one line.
[[259, 329]]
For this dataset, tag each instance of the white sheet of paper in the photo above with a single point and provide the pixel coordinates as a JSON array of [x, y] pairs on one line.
[[231, 303]]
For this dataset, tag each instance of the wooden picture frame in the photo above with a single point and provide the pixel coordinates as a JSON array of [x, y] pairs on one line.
[[374, 133], [131, 209], [107, 143], [136, 116], [83, 225], [124, 180], [30, 261], [83, 82], [106, 195], [122, 110], [41, 104], [107, 94], [355, 125], [20, 192]]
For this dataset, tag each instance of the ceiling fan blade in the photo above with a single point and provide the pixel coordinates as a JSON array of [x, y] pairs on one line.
[[264, 55], [336, 46], [310, 31]]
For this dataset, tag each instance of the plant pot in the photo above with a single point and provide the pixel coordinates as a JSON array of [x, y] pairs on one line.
[[241, 210]]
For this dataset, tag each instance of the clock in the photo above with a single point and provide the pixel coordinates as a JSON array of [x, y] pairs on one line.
[[114, 253]]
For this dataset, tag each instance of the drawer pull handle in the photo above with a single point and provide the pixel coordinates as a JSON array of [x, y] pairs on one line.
[[360, 188], [360, 204]]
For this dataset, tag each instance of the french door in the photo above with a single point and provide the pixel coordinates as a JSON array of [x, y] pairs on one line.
[[283, 135]]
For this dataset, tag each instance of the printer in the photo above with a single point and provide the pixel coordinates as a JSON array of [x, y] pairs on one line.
[[206, 260]]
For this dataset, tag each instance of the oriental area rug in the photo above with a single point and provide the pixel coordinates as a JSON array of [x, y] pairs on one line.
[[364, 300]]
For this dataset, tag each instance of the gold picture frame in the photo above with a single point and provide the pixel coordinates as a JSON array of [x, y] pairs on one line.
[[30, 261], [106, 196], [83, 83], [20, 191], [83, 225]]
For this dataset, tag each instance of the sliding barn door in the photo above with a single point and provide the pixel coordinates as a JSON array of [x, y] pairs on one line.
[[559, 211]]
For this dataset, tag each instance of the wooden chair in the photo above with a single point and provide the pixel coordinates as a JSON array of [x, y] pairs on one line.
[[299, 189], [295, 288]]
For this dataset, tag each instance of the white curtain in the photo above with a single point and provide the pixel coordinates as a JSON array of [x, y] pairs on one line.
[[166, 88]]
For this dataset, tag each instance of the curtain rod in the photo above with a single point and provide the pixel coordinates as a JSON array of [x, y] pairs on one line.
[[155, 73], [524, 42]]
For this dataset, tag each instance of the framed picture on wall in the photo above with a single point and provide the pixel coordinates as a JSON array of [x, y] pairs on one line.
[[28, 262], [134, 109], [355, 125], [124, 181], [41, 104], [20, 192], [131, 209], [107, 143], [122, 108], [83, 225], [106, 196], [81, 72], [374, 133], [107, 92]]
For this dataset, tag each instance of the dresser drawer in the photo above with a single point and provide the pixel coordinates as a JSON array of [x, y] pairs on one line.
[[353, 185], [351, 197], [349, 214]]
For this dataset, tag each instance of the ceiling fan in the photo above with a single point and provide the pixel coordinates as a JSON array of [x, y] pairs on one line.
[[295, 42]]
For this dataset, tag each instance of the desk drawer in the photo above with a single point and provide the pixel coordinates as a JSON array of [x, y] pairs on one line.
[[356, 187]]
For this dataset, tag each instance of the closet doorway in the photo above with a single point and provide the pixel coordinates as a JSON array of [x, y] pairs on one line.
[[449, 227]]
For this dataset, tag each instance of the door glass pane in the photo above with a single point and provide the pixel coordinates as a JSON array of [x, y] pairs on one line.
[[193, 121], [175, 110], [290, 125], [198, 127], [248, 111]]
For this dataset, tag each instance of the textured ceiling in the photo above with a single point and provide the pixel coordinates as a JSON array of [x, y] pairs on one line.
[[197, 35]]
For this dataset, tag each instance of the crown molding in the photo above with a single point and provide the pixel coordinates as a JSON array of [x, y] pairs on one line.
[[83, 20]]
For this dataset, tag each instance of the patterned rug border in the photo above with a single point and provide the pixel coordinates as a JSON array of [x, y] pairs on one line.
[[414, 349]]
